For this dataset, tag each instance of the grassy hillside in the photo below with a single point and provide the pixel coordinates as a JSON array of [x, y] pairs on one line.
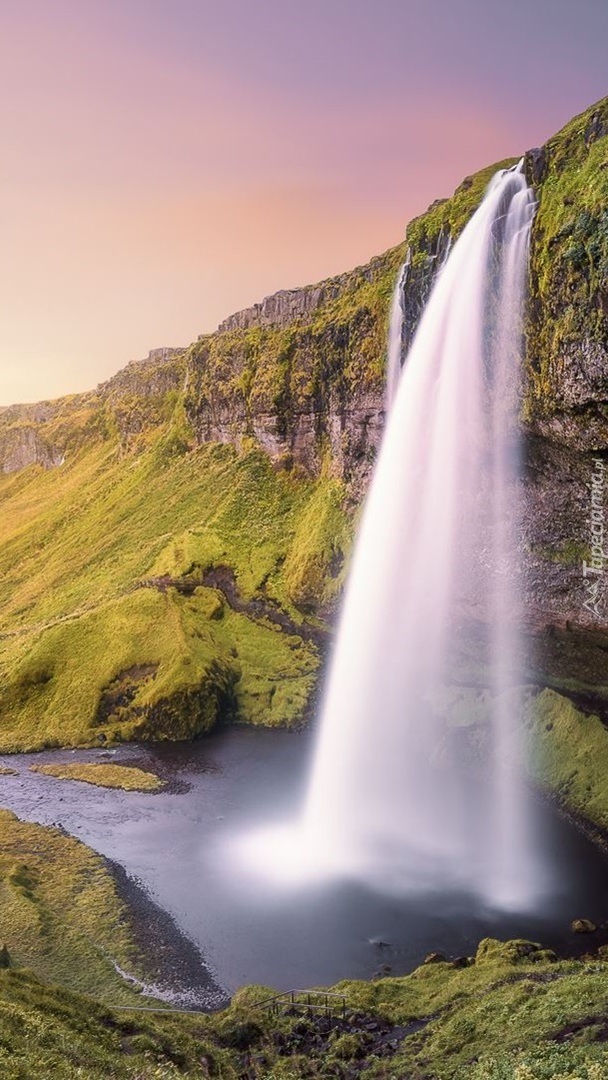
[[106, 630], [60, 914], [512, 1012]]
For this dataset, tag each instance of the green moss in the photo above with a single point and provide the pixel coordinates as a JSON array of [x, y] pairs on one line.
[[569, 258], [493, 1017], [566, 553], [49, 1032], [451, 215], [338, 349], [102, 775], [518, 951], [568, 755], [315, 564], [62, 685]]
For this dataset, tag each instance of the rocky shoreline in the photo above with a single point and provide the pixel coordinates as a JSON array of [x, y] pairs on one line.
[[174, 970]]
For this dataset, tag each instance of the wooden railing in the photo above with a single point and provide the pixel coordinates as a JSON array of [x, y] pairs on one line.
[[314, 1001]]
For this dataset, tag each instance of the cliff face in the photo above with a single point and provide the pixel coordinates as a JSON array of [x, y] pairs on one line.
[[122, 502], [566, 407], [291, 305], [302, 374], [22, 446], [133, 403]]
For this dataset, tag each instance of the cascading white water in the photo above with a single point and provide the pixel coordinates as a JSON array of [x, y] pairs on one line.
[[396, 323], [435, 576], [395, 336]]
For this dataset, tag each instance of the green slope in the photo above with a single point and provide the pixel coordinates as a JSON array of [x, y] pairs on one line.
[[98, 642], [512, 1012], [60, 914]]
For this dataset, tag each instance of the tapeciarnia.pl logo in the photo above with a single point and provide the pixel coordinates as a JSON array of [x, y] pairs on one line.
[[593, 571]]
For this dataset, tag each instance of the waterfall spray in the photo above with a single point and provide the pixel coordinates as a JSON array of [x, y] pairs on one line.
[[434, 585]]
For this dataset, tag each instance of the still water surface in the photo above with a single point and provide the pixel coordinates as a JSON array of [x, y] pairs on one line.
[[177, 845]]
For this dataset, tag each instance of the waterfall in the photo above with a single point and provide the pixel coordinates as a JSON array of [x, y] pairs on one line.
[[396, 324], [433, 597], [395, 335]]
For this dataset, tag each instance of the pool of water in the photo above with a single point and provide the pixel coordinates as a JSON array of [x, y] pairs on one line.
[[178, 845]]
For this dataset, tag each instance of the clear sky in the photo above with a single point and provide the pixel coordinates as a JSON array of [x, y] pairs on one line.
[[166, 162]]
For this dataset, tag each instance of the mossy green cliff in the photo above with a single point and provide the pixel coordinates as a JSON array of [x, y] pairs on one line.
[[568, 330], [306, 387], [566, 406]]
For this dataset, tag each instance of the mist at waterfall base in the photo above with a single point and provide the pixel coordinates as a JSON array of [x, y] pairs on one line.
[[433, 600]]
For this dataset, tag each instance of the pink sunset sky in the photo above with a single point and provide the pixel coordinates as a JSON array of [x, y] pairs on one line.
[[166, 162]]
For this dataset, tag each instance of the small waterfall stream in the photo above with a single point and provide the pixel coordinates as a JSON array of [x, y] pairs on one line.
[[435, 577], [395, 336]]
